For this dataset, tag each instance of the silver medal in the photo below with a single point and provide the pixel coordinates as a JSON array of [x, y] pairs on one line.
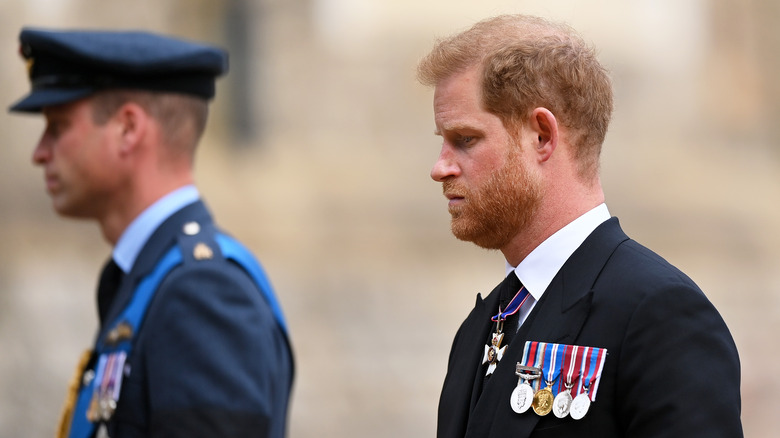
[[562, 404], [522, 398], [579, 406]]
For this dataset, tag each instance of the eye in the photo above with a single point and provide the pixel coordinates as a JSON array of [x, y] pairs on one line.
[[52, 129], [466, 140]]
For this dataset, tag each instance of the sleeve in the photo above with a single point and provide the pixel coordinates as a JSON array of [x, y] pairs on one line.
[[679, 372], [217, 362]]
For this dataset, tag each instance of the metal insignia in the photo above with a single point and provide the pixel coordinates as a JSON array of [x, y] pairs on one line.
[[543, 401], [579, 406], [26, 51], [29, 62], [121, 332], [191, 228], [202, 252]]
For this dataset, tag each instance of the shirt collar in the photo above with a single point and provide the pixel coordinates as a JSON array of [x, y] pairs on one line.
[[538, 269], [138, 232]]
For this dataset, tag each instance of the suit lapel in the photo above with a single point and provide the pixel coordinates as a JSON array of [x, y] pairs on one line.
[[561, 312], [481, 331]]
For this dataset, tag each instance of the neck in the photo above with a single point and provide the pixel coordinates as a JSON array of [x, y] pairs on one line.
[[133, 203], [558, 209]]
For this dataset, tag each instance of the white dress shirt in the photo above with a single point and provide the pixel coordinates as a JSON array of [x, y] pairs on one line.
[[539, 268]]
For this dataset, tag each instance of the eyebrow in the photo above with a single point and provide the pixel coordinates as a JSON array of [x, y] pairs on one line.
[[457, 127]]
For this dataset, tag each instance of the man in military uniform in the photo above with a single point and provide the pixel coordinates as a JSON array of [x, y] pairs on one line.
[[588, 321], [192, 342]]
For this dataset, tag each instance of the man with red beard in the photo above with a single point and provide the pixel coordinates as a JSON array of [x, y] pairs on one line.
[[590, 334]]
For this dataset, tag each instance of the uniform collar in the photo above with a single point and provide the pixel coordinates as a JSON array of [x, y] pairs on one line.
[[538, 269], [138, 232]]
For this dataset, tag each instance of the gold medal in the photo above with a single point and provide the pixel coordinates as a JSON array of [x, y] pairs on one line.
[[543, 401]]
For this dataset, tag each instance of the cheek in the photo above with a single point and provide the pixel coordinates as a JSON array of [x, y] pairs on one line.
[[93, 162]]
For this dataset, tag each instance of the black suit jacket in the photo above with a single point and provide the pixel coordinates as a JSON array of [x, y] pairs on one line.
[[210, 360], [672, 368]]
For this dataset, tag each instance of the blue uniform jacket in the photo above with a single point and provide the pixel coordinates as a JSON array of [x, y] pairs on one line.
[[210, 360]]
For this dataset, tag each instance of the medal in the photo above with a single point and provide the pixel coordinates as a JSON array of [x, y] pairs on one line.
[[570, 373], [523, 395], [539, 386], [93, 412], [562, 403], [494, 352], [529, 372], [107, 384], [580, 405], [543, 399], [592, 365]]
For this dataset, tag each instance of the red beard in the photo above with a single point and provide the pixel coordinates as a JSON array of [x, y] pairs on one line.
[[492, 214]]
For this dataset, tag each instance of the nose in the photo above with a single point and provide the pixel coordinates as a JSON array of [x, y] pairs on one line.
[[42, 152], [446, 166]]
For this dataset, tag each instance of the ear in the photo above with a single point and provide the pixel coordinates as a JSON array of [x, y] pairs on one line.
[[545, 127], [132, 122]]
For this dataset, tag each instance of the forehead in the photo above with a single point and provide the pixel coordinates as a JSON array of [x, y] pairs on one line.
[[457, 103], [66, 109]]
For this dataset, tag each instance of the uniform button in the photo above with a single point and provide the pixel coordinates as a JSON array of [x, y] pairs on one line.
[[191, 228]]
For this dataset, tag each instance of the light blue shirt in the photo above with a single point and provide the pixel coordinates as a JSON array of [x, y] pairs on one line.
[[138, 232]]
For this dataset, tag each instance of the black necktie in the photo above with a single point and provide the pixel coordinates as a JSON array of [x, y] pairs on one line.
[[509, 289], [110, 279]]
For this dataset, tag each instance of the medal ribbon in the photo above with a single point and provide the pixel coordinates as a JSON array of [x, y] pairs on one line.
[[584, 370], [601, 357], [549, 355], [591, 368], [526, 352], [553, 355], [517, 302], [572, 362], [533, 356]]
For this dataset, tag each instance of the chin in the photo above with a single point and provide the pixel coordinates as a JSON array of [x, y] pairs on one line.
[[480, 237]]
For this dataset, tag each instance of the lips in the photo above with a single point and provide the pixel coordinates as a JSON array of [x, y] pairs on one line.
[[456, 200], [51, 181], [452, 190], [452, 196]]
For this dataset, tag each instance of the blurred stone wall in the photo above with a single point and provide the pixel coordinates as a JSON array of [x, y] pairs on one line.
[[317, 156]]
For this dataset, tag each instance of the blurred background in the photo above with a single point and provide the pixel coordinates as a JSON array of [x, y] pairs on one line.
[[318, 155]]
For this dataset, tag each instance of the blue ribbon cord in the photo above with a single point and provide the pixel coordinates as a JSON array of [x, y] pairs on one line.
[[513, 306]]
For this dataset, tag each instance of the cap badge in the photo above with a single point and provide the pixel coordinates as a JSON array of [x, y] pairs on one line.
[[26, 52]]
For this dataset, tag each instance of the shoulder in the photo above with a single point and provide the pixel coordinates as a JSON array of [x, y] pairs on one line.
[[638, 288], [635, 266], [207, 274]]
